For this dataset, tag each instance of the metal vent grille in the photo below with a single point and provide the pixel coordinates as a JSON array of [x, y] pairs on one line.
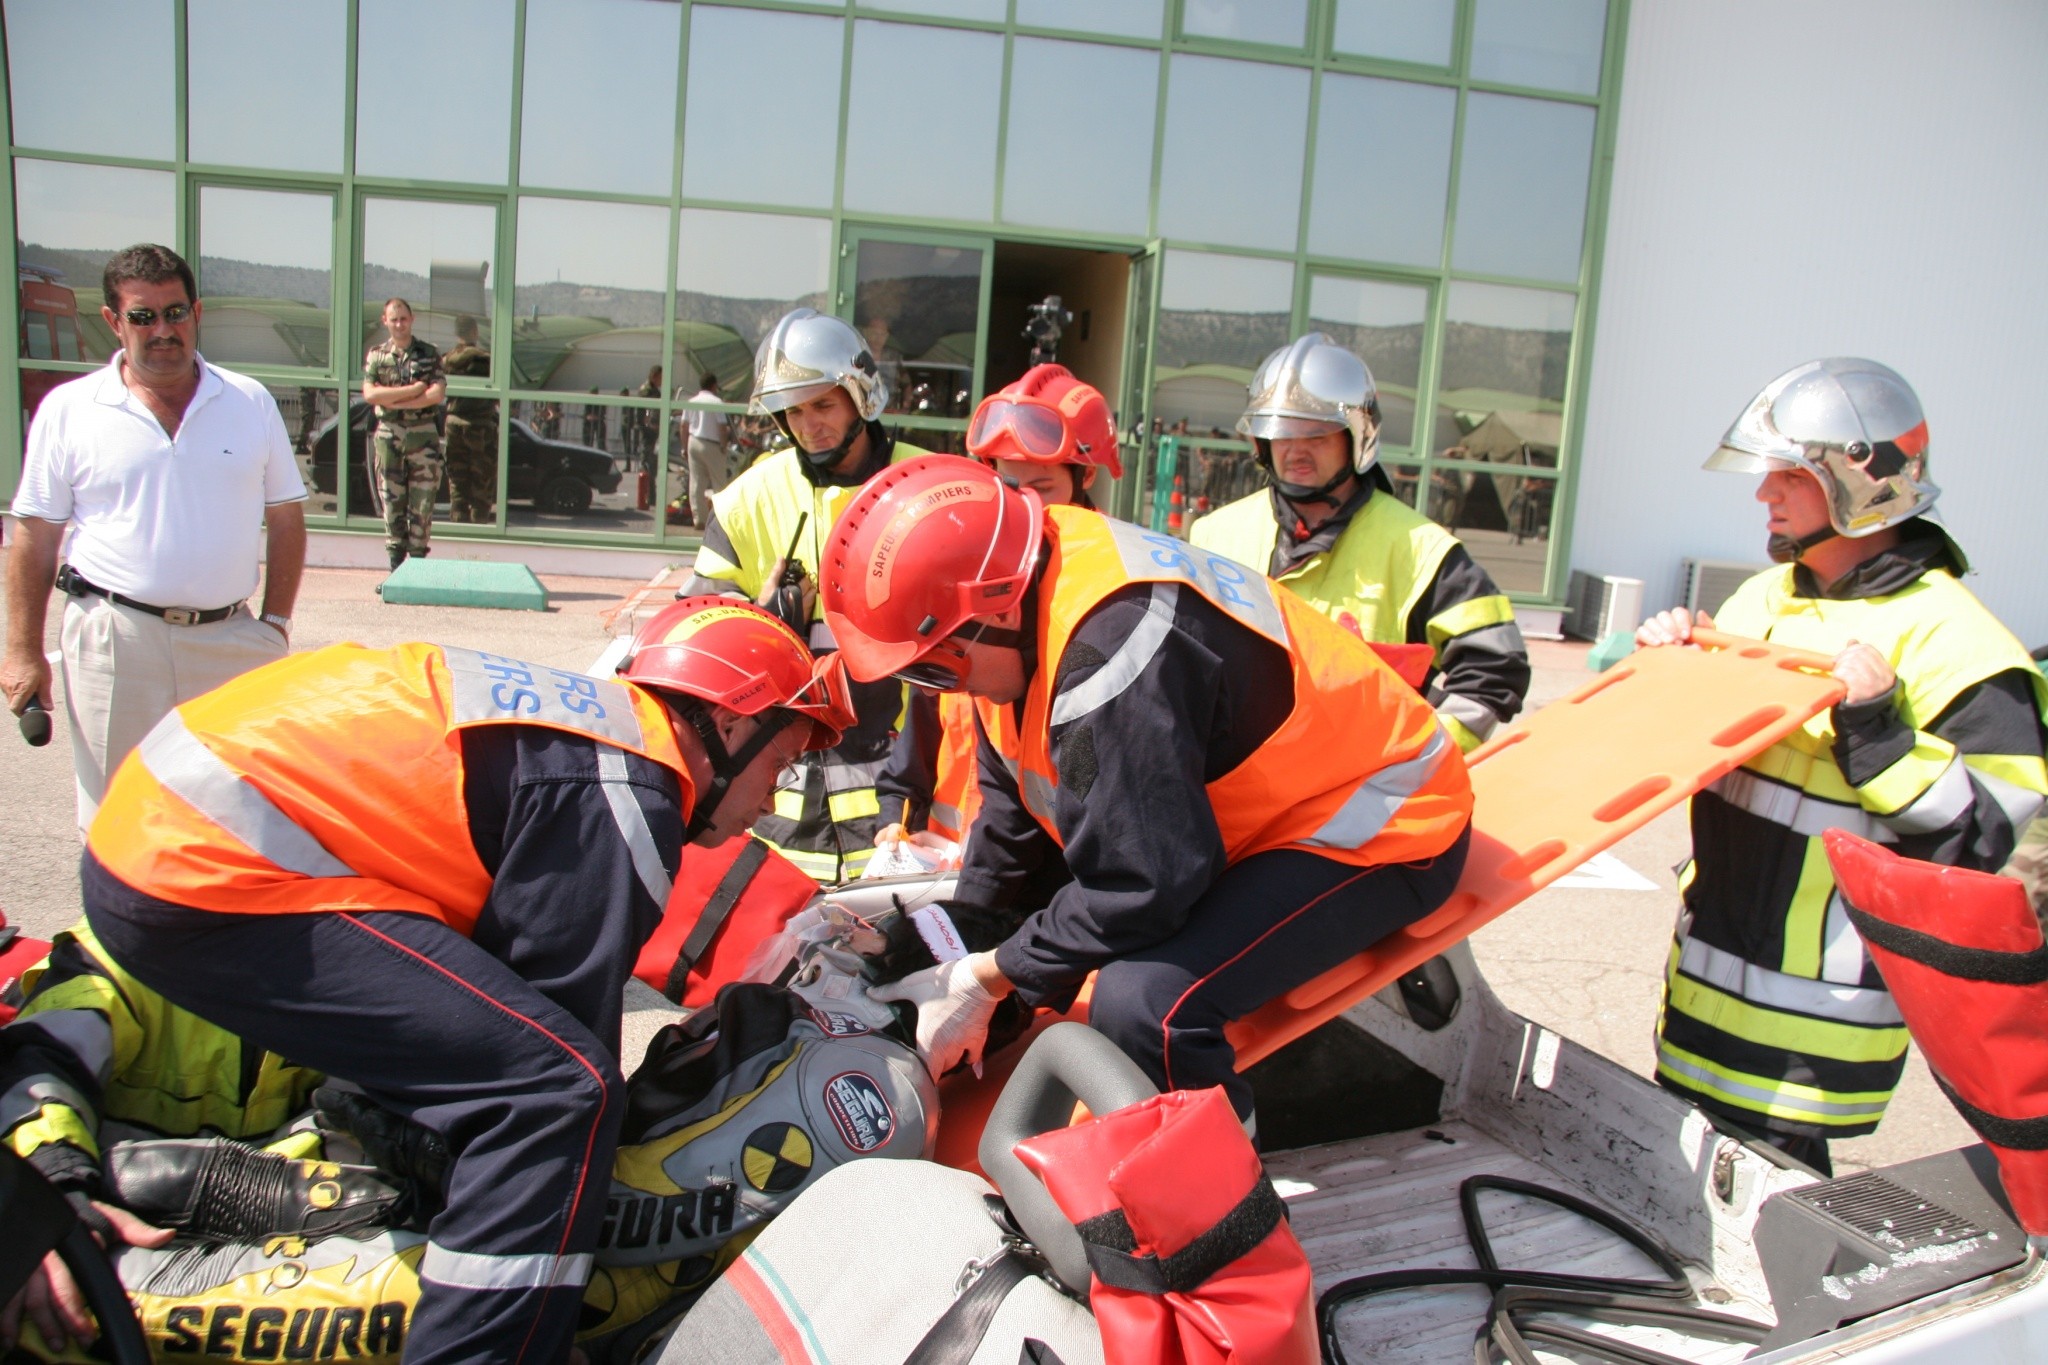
[[1887, 1213]]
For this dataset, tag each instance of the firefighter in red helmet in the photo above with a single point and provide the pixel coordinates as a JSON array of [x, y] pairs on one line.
[[427, 871]]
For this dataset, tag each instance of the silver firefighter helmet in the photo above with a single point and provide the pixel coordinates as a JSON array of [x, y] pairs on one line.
[[1311, 386], [1855, 425], [808, 352]]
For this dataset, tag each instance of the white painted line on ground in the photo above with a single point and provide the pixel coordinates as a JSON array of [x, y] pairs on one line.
[[1605, 872]]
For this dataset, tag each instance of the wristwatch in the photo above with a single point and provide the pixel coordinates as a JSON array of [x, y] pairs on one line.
[[283, 623]]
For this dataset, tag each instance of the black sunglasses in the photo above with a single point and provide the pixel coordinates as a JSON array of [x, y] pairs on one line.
[[146, 317]]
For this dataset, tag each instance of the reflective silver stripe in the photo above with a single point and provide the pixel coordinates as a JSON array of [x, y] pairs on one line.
[[1106, 683], [1946, 797], [946, 815], [491, 687], [1366, 812], [820, 637], [1796, 810], [194, 773], [1038, 795], [1842, 958], [1764, 1096], [613, 776], [849, 777], [1503, 637], [1868, 1006], [26, 1099], [475, 1270], [82, 1032], [1475, 716], [2020, 804]]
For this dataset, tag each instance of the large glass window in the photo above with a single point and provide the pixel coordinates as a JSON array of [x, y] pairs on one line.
[[736, 274], [1399, 30], [435, 255], [266, 270], [94, 76], [69, 221], [988, 11], [1125, 18], [742, 143], [923, 147], [1500, 418], [587, 296], [919, 306], [558, 482], [1247, 21], [309, 419], [248, 55], [1552, 44], [1232, 169], [1383, 170], [1080, 164], [1219, 316], [598, 105], [1385, 324], [1522, 187], [434, 90]]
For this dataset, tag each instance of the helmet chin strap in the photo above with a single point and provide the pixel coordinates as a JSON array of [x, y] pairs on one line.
[[726, 766], [822, 462], [1785, 549], [1303, 492]]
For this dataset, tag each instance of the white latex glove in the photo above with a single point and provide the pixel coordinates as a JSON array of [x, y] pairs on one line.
[[953, 1010]]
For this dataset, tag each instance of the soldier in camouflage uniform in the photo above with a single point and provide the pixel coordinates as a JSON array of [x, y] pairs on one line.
[[472, 433], [402, 380]]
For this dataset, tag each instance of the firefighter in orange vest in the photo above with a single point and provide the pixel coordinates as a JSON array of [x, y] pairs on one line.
[[1053, 434], [426, 871], [1236, 791]]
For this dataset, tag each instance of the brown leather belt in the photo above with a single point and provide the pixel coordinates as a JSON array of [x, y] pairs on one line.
[[69, 580]]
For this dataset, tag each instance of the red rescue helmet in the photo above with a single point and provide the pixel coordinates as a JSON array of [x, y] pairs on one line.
[[1047, 417], [925, 547], [735, 655]]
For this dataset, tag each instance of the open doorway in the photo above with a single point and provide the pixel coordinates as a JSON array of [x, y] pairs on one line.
[[1092, 285]]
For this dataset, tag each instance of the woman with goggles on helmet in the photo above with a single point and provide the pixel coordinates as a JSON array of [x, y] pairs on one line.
[[1054, 435]]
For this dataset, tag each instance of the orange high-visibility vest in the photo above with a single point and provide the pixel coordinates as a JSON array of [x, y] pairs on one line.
[[1360, 771], [956, 789], [333, 780]]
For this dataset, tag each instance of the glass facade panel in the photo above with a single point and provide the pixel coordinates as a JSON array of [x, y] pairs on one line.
[[919, 306], [587, 295], [69, 221], [1124, 18], [739, 144], [257, 54], [1232, 170], [1385, 324], [1383, 170], [266, 272], [1281, 22], [556, 481], [435, 255], [598, 103], [1522, 187], [988, 11], [1400, 30], [434, 90], [1083, 164], [901, 161], [736, 273], [1219, 316], [1548, 44], [309, 420], [93, 76], [1500, 402]]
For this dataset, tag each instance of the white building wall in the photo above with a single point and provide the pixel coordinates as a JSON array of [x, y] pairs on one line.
[[1799, 178]]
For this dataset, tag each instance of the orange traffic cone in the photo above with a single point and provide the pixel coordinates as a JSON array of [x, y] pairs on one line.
[[1174, 504]]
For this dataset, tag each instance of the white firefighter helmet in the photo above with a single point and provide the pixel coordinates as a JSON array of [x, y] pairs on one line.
[[809, 352], [1855, 425], [1311, 386]]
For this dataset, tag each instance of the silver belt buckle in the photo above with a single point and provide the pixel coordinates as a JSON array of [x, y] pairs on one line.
[[181, 616]]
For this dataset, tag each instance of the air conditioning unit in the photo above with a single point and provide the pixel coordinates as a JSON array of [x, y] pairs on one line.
[[1704, 584], [1598, 605]]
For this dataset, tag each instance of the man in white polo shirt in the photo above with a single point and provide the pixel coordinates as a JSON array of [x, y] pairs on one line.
[[171, 473]]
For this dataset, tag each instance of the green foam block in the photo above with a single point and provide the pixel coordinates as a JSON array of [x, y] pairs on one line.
[[464, 583], [1611, 651]]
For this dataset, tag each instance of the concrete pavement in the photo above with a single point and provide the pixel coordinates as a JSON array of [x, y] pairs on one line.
[[1584, 961]]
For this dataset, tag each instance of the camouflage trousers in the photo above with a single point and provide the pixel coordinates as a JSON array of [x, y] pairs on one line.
[[409, 462], [2030, 864], [472, 470]]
